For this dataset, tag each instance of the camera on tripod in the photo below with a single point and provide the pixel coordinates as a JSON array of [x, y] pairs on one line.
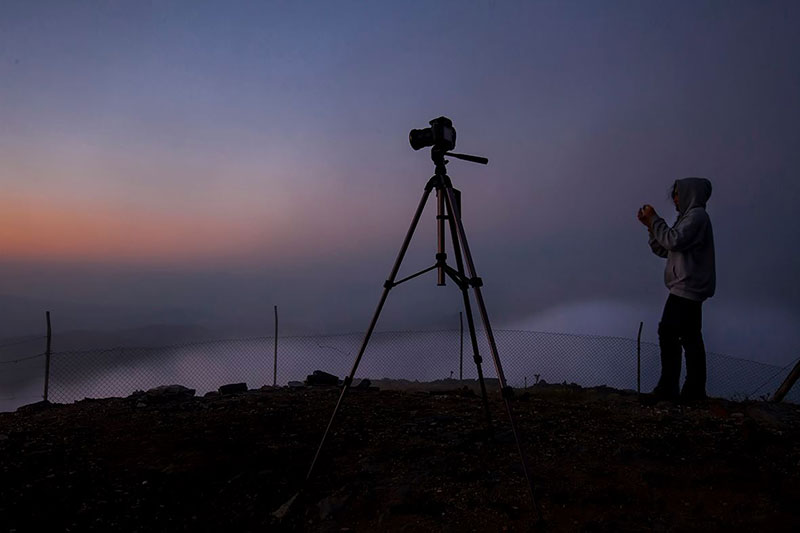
[[441, 135]]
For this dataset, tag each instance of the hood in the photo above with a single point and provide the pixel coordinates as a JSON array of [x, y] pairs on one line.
[[692, 192]]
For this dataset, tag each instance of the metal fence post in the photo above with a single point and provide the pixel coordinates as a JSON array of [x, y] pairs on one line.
[[47, 357], [461, 350], [639, 359], [275, 358]]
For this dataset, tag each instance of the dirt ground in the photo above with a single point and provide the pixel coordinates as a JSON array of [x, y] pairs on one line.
[[399, 460]]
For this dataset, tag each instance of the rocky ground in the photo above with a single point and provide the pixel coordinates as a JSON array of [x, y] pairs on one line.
[[412, 460]]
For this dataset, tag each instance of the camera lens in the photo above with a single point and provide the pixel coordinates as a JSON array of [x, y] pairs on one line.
[[421, 138]]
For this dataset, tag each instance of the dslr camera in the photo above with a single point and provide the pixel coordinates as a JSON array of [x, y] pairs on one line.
[[441, 135]]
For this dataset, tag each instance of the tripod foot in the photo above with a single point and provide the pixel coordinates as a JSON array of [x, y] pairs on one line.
[[283, 510]]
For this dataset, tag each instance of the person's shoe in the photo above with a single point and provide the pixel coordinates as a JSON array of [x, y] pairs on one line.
[[666, 394], [693, 397], [659, 395]]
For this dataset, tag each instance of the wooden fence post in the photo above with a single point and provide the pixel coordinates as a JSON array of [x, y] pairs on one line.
[[47, 357]]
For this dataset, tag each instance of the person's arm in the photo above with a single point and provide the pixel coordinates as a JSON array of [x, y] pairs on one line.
[[681, 236], [646, 216], [659, 250]]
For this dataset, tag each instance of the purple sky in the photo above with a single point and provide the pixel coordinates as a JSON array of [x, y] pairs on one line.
[[206, 160]]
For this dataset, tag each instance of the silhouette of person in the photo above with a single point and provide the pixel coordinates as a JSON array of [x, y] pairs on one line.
[[690, 277]]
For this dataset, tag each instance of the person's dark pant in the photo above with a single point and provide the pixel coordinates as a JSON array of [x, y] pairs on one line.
[[680, 327]]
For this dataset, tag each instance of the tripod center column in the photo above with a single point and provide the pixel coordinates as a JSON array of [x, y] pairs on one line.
[[441, 252]]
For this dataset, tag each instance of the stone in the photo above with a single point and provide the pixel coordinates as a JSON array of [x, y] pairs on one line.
[[170, 391], [233, 388], [318, 377]]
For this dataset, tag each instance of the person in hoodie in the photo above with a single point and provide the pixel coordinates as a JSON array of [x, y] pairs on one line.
[[690, 277]]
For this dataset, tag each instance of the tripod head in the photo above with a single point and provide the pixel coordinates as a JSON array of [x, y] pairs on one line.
[[437, 156], [441, 137]]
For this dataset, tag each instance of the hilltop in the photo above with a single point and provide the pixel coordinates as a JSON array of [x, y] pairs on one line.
[[413, 460]]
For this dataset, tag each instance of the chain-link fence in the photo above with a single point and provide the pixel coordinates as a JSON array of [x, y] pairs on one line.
[[527, 357], [22, 364]]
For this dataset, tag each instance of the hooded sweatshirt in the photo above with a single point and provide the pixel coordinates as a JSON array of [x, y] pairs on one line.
[[689, 244]]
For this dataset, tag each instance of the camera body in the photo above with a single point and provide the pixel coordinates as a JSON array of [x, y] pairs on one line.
[[441, 135]]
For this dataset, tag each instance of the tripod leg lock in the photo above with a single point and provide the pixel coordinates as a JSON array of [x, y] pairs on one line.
[[476, 282], [347, 381], [388, 284], [441, 258], [478, 359], [508, 392]]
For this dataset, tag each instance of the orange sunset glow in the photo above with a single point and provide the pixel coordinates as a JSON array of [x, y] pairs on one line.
[[47, 230]]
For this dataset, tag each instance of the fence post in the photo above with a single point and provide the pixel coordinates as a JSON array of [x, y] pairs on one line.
[[461, 349], [47, 357], [639, 359], [786, 386], [275, 358]]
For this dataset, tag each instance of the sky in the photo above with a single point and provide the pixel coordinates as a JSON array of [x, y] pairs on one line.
[[199, 162]]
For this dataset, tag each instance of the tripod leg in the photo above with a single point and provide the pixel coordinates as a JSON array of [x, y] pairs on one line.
[[470, 319], [475, 282], [387, 286], [477, 358]]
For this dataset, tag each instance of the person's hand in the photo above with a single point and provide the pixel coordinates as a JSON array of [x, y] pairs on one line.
[[646, 214]]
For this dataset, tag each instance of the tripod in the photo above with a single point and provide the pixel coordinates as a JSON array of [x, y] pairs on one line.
[[448, 209]]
